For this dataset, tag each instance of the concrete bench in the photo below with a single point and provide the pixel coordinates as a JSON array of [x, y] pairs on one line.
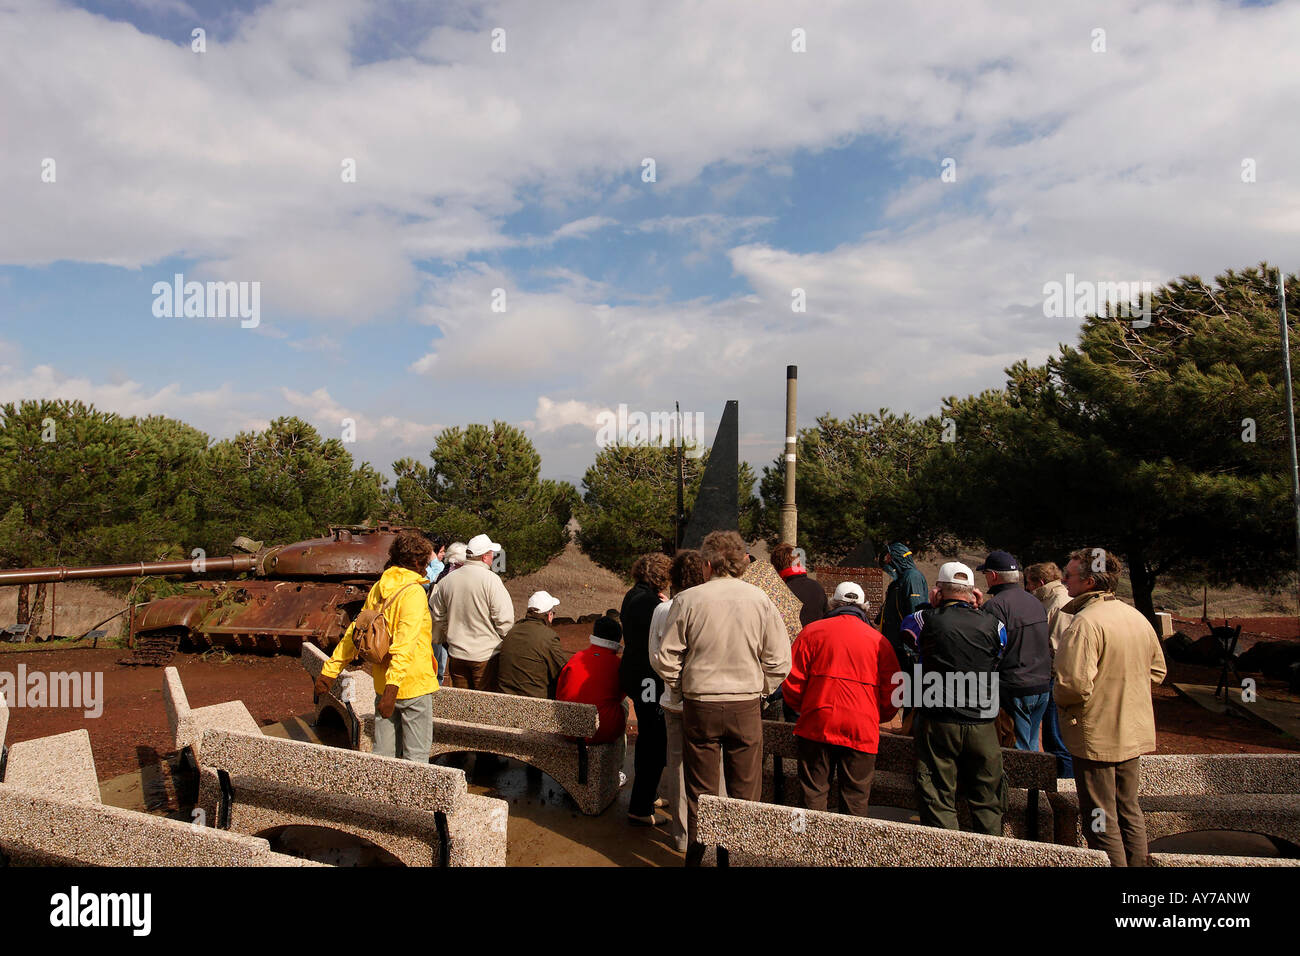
[[537, 733], [187, 725], [251, 783], [1029, 774], [527, 729], [62, 767], [41, 830], [1183, 793], [419, 813], [50, 814], [747, 833]]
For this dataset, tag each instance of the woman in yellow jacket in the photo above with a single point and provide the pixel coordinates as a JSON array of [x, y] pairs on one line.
[[405, 684]]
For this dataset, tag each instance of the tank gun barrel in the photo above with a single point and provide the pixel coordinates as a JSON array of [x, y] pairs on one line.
[[232, 564]]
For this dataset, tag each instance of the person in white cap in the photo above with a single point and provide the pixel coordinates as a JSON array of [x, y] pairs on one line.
[[531, 657], [954, 690], [472, 612], [842, 673]]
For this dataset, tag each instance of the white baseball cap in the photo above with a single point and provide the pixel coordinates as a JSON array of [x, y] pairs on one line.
[[541, 601], [954, 572], [480, 545], [849, 592]]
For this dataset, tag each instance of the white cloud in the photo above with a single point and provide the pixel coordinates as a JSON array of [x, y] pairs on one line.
[[550, 415], [373, 429]]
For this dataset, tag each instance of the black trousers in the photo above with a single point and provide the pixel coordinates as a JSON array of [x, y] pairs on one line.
[[649, 758]]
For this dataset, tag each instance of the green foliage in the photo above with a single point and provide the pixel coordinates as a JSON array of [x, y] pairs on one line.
[[485, 481], [101, 489], [282, 484], [1134, 441], [108, 490], [855, 477], [631, 499]]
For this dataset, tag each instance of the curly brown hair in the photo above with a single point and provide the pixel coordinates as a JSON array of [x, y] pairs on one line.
[[652, 569], [688, 570], [410, 550], [1090, 567], [725, 551], [782, 556]]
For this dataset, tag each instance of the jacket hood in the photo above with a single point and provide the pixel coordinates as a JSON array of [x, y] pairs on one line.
[[900, 559], [1048, 588], [394, 579]]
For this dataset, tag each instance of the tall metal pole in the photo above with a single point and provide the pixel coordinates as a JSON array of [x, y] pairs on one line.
[[789, 514], [1290, 415], [680, 519]]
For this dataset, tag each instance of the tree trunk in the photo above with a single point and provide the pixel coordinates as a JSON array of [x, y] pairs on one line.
[[24, 603], [1144, 582], [38, 614]]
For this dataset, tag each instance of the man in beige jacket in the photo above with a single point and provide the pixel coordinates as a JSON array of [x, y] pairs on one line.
[[1107, 660], [472, 610], [724, 649]]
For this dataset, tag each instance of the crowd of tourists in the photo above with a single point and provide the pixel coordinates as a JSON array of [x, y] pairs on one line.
[[1039, 659]]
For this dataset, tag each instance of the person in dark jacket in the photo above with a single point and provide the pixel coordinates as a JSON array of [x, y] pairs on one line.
[[531, 658], [954, 690], [643, 686], [795, 575], [905, 594], [1025, 672], [841, 681]]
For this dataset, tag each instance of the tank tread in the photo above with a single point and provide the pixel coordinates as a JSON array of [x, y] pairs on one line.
[[154, 649]]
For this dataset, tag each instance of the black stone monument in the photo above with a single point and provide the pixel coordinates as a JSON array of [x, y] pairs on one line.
[[717, 506]]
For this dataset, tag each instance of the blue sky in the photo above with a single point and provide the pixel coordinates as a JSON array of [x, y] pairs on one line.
[[521, 170]]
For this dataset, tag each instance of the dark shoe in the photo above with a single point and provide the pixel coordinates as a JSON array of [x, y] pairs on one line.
[[653, 820]]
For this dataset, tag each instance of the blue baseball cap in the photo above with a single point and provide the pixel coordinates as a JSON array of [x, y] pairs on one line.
[[999, 561]]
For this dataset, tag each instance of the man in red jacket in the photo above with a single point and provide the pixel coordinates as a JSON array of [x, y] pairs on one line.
[[841, 677], [591, 677]]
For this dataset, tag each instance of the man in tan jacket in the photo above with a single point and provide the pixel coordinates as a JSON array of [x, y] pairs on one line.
[[472, 612], [724, 649], [1107, 660]]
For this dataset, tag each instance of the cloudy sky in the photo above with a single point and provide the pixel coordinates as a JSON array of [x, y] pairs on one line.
[[793, 147]]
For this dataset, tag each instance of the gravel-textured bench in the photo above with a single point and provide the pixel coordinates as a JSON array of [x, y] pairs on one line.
[[527, 729], [1029, 775], [419, 813], [1183, 793], [747, 833], [50, 815], [251, 783]]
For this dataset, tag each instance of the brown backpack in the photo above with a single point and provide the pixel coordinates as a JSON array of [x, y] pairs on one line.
[[370, 631]]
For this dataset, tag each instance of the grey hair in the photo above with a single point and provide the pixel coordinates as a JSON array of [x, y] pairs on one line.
[[947, 590], [865, 605], [1009, 577]]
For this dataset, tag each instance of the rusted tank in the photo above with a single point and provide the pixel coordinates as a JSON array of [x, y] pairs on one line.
[[289, 593]]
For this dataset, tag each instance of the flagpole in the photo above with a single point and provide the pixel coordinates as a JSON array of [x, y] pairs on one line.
[[1290, 416]]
